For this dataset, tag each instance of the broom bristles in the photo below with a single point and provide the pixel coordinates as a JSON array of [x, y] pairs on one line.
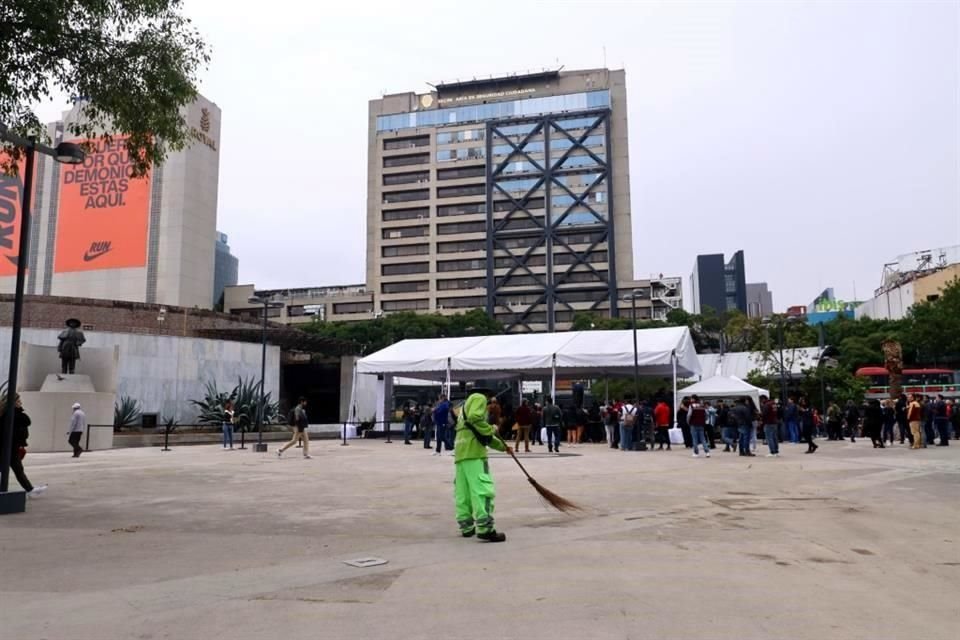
[[556, 501]]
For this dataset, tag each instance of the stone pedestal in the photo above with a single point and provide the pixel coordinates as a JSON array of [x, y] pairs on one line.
[[48, 398]]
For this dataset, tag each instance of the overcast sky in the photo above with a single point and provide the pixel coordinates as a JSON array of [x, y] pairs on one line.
[[820, 137]]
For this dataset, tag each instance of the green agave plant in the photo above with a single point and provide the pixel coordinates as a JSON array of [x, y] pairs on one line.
[[246, 401], [126, 412]]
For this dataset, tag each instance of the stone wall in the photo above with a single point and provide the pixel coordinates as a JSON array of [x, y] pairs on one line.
[[164, 372], [50, 312]]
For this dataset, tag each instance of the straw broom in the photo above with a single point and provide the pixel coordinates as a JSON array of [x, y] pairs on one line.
[[557, 502]]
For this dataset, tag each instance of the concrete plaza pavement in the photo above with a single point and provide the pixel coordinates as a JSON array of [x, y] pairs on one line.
[[204, 543]]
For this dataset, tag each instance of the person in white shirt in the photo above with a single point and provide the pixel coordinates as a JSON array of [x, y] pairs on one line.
[[78, 422]]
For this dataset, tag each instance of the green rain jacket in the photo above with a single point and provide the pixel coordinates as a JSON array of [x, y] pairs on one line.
[[467, 447]]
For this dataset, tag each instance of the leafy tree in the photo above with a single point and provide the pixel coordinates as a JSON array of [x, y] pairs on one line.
[[378, 333], [934, 325], [135, 61]]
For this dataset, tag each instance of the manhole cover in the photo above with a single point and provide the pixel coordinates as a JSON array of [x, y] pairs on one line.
[[363, 563]]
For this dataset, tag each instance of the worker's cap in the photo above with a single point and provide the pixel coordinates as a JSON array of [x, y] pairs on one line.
[[76, 405]]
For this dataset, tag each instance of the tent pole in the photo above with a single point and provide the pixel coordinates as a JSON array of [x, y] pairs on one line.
[[553, 379], [673, 359], [448, 379]]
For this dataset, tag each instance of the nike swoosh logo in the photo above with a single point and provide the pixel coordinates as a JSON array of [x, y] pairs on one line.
[[87, 256]]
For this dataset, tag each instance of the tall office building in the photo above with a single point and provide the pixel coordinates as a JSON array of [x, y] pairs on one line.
[[720, 285], [226, 267], [97, 232], [759, 300], [510, 194]]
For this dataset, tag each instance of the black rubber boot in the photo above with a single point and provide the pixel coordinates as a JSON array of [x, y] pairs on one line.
[[492, 536]]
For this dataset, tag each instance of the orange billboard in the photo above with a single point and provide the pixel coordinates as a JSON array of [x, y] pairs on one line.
[[104, 213], [11, 197]]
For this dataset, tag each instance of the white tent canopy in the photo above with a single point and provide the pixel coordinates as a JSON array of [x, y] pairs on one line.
[[725, 387], [574, 353]]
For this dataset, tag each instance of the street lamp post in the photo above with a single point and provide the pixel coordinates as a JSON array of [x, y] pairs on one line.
[[68, 153], [632, 297], [261, 447]]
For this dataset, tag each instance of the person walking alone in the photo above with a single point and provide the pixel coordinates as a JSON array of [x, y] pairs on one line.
[[78, 422], [552, 420], [770, 426], [853, 420], [301, 422], [524, 419], [21, 433], [807, 425], [697, 419]]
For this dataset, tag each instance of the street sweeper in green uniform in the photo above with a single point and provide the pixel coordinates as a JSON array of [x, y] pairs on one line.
[[473, 485]]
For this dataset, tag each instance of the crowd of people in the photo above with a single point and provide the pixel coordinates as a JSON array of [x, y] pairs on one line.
[[699, 425]]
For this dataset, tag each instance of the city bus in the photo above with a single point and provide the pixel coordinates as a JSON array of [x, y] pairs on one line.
[[927, 382]]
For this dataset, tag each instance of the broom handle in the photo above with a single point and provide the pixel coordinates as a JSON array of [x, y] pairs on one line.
[[520, 465]]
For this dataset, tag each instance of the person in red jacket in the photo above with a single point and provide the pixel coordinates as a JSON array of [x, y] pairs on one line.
[[661, 420]]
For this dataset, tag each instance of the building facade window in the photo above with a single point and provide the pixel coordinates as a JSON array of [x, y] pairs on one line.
[[404, 287], [495, 110], [404, 268], [395, 251], [405, 305], [406, 196], [412, 177], [392, 215], [393, 144], [461, 209], [395, 233], [353, 307], [461, 227], [467, 153], [461, 283], [461, 172], [462, 246], [475, 264], [463, 191], [406, 160], [452, 137], [461, 302]]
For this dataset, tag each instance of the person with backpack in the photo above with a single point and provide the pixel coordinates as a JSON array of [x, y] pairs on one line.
[[300, 423], [942, 421], [770, 426], [697, 419], [628, 422], [553, 421]]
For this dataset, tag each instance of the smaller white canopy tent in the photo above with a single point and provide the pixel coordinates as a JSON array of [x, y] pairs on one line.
[[725, 387]]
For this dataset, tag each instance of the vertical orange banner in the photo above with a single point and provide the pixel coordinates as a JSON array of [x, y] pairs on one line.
[[11, 198], [104, 214]]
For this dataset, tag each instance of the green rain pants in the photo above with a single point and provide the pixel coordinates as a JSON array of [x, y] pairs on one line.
[[473, 491]]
